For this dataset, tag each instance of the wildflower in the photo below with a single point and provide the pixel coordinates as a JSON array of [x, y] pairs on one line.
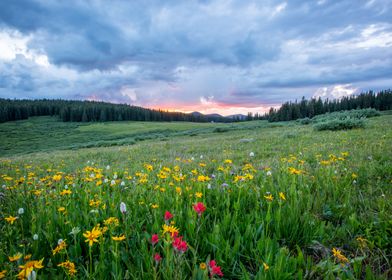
[[15, 257], [118, 238], [123, 208], [65, 192], [168, 216], [2, 274], [228, 161], [202, 178], [27, 257], [203, 266], [199, 194], [11, 219], [57, 177], [266, 266], [339, 256], [251, 154], [180, 245], [214, 269], [70, 266], [269, 197], [61, 209], [282, 196], [61, 245], [27, 271], [362, 241], [20, 211], [92, 235], [154, 239], [199, 208], [35, 237], [148, 167], [170, 229], [154, 206], [111, 221], [292, 170], [157, 258]]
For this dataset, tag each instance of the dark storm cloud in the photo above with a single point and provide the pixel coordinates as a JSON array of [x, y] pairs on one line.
[[139, 51]]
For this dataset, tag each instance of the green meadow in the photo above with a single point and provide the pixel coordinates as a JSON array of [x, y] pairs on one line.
[[250, 200]]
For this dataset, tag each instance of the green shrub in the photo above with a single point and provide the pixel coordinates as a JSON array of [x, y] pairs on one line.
[[305, 121], [342, 115], [339, 124]]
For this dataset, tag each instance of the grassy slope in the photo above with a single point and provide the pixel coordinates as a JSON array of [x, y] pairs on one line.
[[47, 134], [319, 208]]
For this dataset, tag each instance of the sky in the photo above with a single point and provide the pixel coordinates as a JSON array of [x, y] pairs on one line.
[[221, 56]]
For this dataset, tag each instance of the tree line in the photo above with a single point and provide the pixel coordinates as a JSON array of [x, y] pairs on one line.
[[94, 111], [381, 101], [91, 111]]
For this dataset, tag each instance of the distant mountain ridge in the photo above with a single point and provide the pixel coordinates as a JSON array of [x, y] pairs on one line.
[[215, 115]]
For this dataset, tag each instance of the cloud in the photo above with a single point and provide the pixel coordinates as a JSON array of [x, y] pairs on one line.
[[335, 92], [244, 54]]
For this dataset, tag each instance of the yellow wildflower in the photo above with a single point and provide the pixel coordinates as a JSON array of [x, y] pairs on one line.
[[61, 246], [70, 266], [362, 241], [15, 257], [66, 192], [199, 194], [269, 197], [154, 206], [292, 170], [111, 221], [202, 178], [118, 238], [339, 256], [266, 266], [28, 268], [92, 235], [170, 229], [282, 196], [11, 219], [57, 177], [203, 266], [2, 274]]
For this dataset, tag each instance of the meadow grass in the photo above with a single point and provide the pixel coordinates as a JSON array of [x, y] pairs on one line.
[[283, 202], [48, 134]]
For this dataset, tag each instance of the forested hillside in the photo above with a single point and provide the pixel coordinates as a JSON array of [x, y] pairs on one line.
[[309, 108], [91, 111]]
